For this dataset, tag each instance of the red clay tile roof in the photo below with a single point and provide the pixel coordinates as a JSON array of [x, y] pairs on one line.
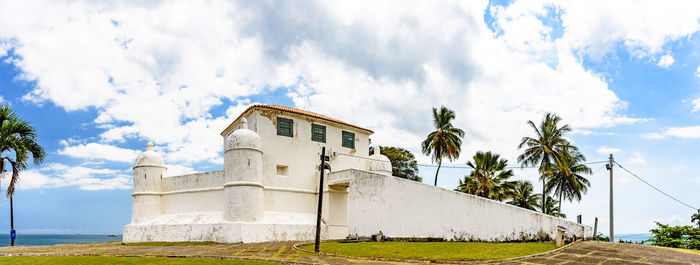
[[295, 111]]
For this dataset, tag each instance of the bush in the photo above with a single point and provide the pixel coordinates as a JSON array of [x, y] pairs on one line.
[[600, 237]]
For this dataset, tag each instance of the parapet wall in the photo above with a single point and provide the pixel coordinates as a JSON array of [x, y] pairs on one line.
[[198, 192], [193, 181], [404, 208]]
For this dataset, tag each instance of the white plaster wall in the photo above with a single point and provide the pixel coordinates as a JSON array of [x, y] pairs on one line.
[[198, 192], [193, 205], [404, 208], [193, 181], [297, 191]]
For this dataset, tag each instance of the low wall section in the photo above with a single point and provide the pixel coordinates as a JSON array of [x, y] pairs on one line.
[[404, 208], [198, 192]]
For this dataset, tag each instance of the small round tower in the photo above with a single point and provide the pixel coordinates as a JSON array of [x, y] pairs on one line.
[[379, 163], [148, 172], [243, 188]]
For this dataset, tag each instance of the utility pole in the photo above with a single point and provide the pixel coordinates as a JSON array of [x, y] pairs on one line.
[[322, 167], [612, 224]]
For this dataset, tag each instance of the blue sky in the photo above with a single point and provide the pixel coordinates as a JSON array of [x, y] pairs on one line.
[[100, 80]]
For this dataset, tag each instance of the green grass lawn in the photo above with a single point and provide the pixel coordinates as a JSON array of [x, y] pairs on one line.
[[119, 260], [435, 250]]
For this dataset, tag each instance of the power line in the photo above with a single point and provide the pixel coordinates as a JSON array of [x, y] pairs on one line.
[[514, 167], [596, 171], [458, 166], [657, 189]]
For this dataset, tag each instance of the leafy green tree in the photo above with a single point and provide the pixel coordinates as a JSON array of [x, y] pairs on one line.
[[445, 141], [547, 149], [695, 218], [17, 145], [567, 180], [403, 162], [524, 196], [490, 176], [675, 236]]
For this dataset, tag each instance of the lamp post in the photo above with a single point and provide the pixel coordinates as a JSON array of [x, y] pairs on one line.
[[324, 165], [13, 235]]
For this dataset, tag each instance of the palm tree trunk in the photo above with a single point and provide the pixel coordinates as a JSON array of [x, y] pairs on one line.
[[438, 171], [544, 196], [559, 210], [12, 222]]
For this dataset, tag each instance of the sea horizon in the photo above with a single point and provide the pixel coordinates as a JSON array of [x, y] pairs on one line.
[[52, 239]]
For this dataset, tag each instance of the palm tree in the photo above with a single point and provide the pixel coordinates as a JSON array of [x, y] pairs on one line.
[[17, 137], [488, 178], [469, 185], [551, 207], [549, 148], [567, 182], [524, 197], [695, 218], [446, 141]]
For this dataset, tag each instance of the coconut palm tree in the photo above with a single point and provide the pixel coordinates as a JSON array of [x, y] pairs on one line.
[[695, 218], [551, 207], [446, 141], [524, 196], [547, 149], [18, 138], [469, 185], [489, 177], [567, 180]]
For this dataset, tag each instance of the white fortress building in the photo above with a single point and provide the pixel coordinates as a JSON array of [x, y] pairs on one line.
[[268, 191]]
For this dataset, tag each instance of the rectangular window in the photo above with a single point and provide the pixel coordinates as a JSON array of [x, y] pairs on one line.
[[284, 127], [348, 139], [318, 133]]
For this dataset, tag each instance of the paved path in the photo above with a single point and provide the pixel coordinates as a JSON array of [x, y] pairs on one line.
[[589, 252]]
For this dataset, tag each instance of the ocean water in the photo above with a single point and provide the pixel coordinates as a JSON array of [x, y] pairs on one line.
[[37, 240], [635, 238]]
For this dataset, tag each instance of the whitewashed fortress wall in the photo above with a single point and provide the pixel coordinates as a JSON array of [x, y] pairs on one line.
[[268, 191]]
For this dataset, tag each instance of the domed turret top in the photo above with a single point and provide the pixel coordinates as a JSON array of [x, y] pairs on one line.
[[149, 158], [380, 163], [243, 138]]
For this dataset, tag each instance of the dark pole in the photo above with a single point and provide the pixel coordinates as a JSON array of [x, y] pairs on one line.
[[612, 226], [320, 202], [595, 228], [12, 223]]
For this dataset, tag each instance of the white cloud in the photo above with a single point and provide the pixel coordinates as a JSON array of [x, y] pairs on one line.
[[665, 61], [696, 105], [597, 26], [690, 132], [55, 175], [96, 151], [151, 71], [697, 72], [176, 170], [1, 98], [607, 150], [637, 159]]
